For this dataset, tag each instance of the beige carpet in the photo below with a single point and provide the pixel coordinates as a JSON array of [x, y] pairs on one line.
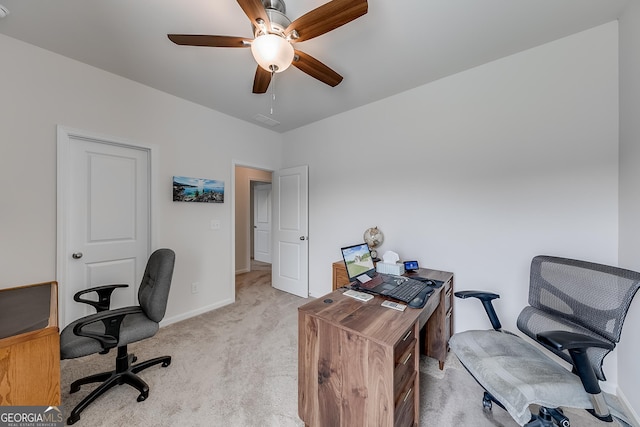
[[237, 366]]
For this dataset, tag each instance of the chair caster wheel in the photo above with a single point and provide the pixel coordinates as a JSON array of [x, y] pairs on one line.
[[165, 364], [559, 417], [74, 389], [487, 404], [73, 419], [143, 397]]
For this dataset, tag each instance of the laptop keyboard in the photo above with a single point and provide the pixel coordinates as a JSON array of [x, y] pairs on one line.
[[407, 290]]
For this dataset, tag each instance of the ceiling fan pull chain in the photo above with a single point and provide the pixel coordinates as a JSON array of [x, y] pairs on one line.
[[273, 89]]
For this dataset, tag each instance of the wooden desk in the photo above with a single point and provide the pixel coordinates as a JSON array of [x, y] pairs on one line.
[[29, 346], [358, 363]]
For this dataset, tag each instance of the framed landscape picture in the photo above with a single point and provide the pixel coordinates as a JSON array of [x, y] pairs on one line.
[[187, 189]]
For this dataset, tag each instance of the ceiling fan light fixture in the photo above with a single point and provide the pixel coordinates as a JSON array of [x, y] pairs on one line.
[[272, 52]]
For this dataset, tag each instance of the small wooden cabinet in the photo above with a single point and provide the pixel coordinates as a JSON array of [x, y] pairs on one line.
[[440, 325], [340, 277], [29, 346]]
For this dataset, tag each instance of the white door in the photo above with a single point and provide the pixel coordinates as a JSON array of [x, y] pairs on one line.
[[262, 222], [290, 267], [106, 199]]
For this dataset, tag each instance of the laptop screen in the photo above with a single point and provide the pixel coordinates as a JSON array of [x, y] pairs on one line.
[[358, 261]]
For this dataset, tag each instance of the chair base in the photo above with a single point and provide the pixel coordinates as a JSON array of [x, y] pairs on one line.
[[125, 373], [547, 417]]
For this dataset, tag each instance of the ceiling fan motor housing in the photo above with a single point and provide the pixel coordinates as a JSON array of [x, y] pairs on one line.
[[275, 5], [276, 10]]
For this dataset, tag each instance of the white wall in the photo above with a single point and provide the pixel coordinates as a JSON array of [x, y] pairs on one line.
[[476, 173], [629, 348], [41, 90]]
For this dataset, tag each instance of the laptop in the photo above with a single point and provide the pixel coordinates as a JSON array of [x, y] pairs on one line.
[[363, 276]]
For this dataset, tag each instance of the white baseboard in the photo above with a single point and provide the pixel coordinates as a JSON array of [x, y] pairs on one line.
[[244, 270], [193, 313], [609, 387], [635, 419]]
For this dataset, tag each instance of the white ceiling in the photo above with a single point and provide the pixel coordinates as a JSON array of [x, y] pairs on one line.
[[396, 46]]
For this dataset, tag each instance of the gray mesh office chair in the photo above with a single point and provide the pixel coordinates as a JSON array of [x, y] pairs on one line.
[[576, 310], [107, 329]]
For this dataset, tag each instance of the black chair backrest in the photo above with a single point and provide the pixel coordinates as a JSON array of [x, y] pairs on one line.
[[154, 289], [579, 296]]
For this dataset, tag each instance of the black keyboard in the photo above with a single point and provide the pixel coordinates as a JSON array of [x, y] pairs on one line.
[[407, 290]]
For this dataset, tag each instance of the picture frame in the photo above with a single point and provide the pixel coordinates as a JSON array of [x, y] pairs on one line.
[[200, 190]]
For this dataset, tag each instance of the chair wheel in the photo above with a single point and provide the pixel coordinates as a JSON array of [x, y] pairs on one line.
[[73, 419], [487, 404], [559, 417], [165, 364], [143, 397], [74, 389]]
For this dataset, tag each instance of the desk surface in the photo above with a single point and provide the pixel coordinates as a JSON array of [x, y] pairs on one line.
[[370, 319], [30, 346], [28, 308]]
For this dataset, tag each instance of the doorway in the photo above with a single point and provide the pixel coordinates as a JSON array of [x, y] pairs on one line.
[[289, 228], [104, 217], [261, 222], [246, 179]]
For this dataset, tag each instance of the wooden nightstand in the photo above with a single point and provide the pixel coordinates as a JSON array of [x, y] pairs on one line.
[[340, 277]]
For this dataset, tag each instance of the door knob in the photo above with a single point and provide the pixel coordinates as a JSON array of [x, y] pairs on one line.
[[302, 237], [76, 255]]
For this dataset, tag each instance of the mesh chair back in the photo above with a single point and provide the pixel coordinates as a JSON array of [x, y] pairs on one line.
[[154, 289], [578, 296]]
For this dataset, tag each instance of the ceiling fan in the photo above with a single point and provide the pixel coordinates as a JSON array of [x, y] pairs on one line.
[[274, 36]]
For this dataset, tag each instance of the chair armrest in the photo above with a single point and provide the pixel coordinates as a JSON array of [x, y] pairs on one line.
[[104, 296], [112, 320], [565, 340], [486, 298], [577, 344]]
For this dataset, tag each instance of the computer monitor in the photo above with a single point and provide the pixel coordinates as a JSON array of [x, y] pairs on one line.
[[358, 261]]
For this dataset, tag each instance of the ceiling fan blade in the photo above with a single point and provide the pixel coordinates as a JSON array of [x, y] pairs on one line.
[[211, 41], [316, 69], [261, 81], [327, 17], [254, 10]]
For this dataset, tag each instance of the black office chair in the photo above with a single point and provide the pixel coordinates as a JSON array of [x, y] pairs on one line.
[[107, 329], [576, 310]]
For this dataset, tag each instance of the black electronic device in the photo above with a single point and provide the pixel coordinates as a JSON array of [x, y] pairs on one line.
[[411, 265]]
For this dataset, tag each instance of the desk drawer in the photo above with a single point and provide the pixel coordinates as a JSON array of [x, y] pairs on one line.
[[447, 296], [404, 369], [447, 327], [401, 347], [405, 406]]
